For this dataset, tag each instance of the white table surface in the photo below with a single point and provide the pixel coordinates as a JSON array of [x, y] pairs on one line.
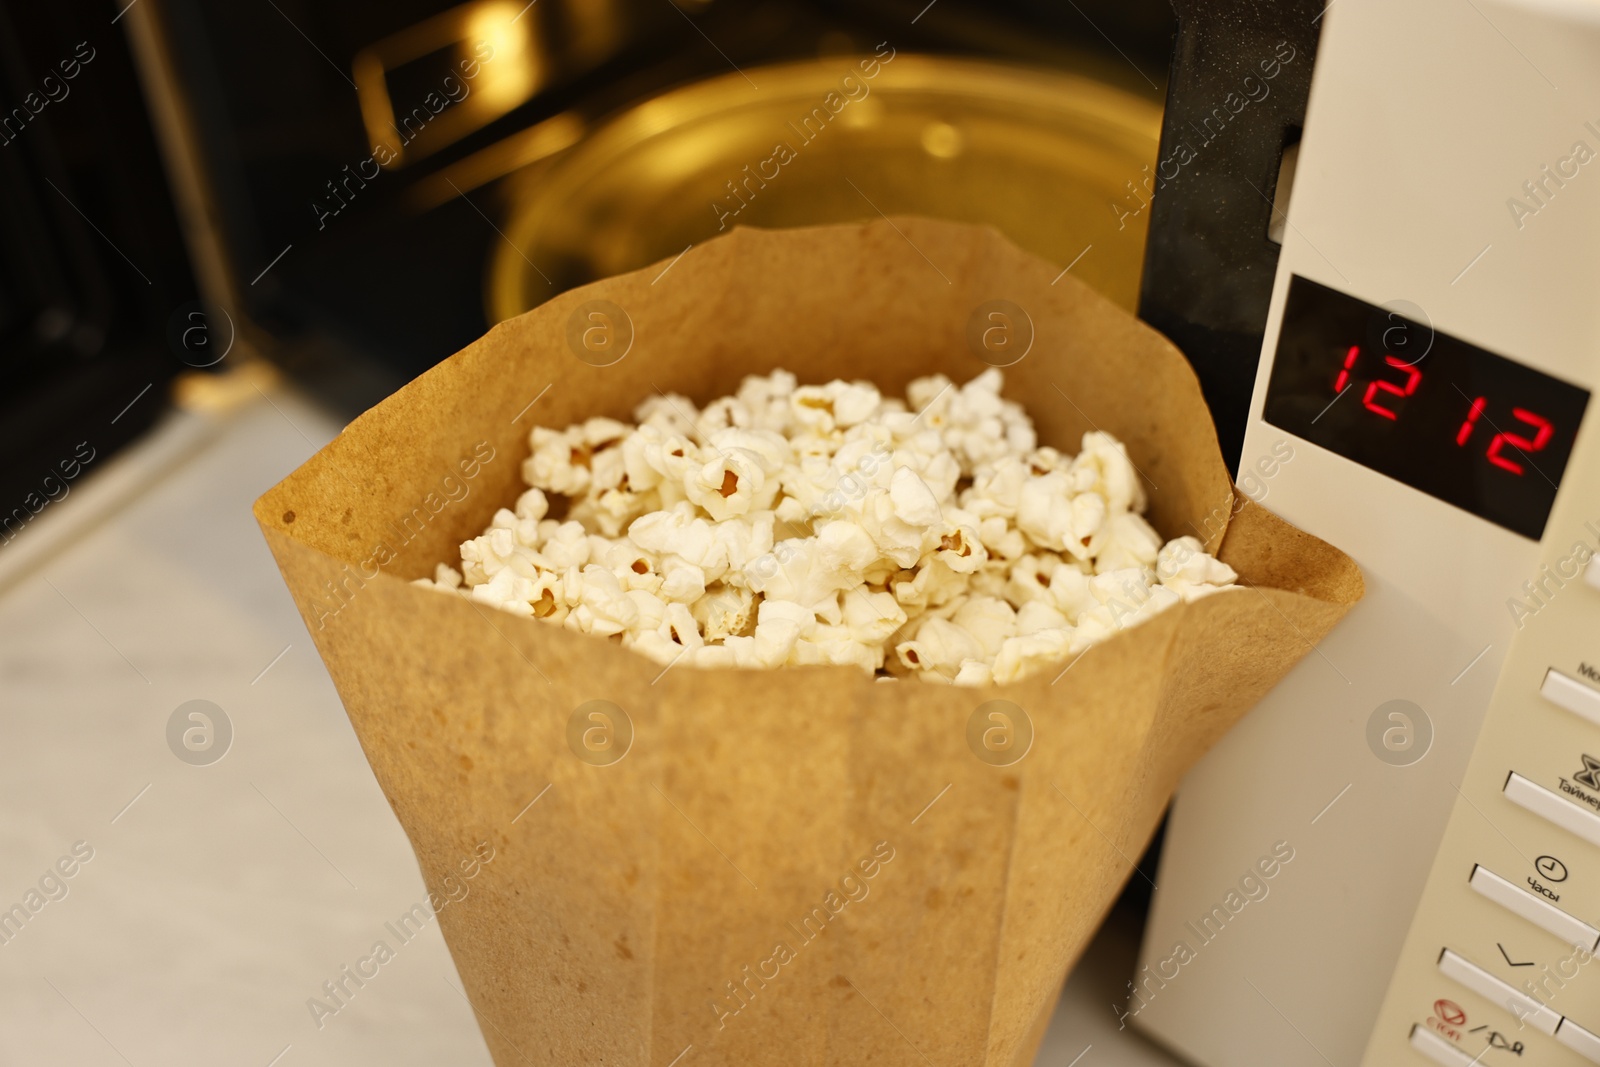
[[220, 897]]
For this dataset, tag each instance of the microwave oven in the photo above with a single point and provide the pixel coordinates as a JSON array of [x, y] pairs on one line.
[[1423, 786]]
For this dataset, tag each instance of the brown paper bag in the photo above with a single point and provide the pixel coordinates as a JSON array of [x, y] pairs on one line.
[[790, 867]]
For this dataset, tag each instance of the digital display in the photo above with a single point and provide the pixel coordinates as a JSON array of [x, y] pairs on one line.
[[1380, 386]]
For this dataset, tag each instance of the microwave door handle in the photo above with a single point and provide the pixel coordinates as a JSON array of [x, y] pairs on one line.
[[1234, 103]]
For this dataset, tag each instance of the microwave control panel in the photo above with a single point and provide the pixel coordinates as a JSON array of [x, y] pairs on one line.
[[1501, 965]]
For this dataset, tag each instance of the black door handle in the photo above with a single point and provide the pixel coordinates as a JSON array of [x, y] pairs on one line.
[[1236, 98]]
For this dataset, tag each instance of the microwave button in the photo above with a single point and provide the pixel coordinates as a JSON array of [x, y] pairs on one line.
[[1537, 910], [1505, 995], [1438, 1049], [1547, 805], [1567, 692], [1579, 1040]]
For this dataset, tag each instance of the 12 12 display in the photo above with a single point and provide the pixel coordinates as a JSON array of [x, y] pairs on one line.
[[1450, 419]]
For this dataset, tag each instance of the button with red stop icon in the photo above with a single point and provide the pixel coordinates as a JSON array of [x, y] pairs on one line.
[[1448, 1018], [1450, 1013]]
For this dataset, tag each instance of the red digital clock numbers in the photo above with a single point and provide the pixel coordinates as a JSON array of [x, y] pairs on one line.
[[1543, 431], [1378, 390]]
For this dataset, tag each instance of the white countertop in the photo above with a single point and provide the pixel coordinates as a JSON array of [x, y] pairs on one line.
[[220, 897]]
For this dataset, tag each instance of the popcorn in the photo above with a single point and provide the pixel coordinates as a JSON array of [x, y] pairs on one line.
[[1000, 538], [568, 547], [811, 407], [723, 611], [929, 586], [871, 618], [960, 548], [1184, 567], [1030, 577], [832, 646], [485, 556], [973, 672], [899, 540], [506, 590], [1071, 592], [940, 646], [683, 535], [603, 607], [634, 568], [801, 617], [560, 461], [667, 412], [679, 626], [767, 399], [1103, 467], [801, 573], [720, 414], [712, 656], [681, 582], [779, 625], [791, 525], [846, 549], [746, 540], [1037, 615], [1021, 656], [996, 489], [654, 455], [1055, 518], [1128, 541], [656, 646], [930, 398], [912, 501], [727, 486], [531, 506], [990, 621], [652, 611], [612, 510]]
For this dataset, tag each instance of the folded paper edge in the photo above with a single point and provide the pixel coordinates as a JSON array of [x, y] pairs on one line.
[[752, 242], [1259, 542]]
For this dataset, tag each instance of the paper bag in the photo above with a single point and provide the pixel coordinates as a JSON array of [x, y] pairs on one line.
[[793, 867]]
